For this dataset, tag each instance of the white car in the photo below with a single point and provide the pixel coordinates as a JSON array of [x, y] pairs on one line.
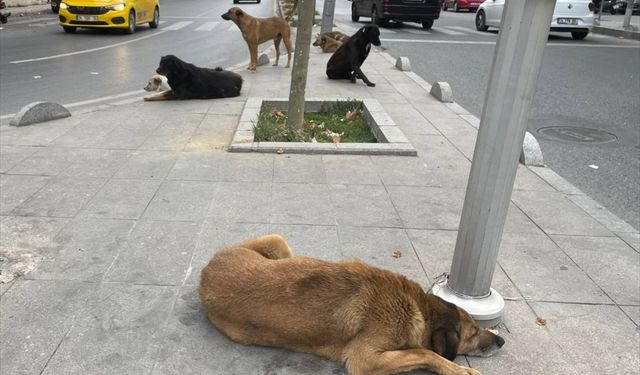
[[575, 16]]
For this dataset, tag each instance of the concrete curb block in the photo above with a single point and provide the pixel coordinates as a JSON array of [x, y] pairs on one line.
[[37, 112], [531, 153], [403, 64], [263, 60], [633, 35], [442, 91]]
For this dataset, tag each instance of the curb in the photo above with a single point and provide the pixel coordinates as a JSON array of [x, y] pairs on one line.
[[633, 35]]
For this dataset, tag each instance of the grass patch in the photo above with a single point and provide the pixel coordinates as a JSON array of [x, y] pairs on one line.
[[341, 121]]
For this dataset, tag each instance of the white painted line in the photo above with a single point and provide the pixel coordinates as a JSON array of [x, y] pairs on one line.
[[577, 45], [468, 30], [208, 26], [233, 27], [87, 50], [445, 31], [102, 99], [178, 25], [419, 32], [387, 31]]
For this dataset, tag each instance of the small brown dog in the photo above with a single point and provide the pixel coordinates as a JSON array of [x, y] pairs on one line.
[[372, 321], [256, 31], [327, 44]]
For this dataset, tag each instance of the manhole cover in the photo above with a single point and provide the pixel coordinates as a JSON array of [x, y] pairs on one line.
[[577, 135]]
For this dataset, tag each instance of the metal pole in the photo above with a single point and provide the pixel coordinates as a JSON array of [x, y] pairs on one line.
[[327, 16], [512, 84], [600, 12], [626, 24]]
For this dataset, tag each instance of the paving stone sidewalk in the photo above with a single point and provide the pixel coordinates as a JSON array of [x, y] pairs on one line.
[[110, 215]]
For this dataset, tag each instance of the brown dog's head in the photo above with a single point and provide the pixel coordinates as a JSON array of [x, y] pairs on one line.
[[318, 41], [233, 14], [454, 332]]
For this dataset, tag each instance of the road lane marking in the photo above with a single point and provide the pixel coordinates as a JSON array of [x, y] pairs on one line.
[[636, 46], [445, 31], [178, 25], [208, 26], [418, 32], [468, 30], [87, 50]]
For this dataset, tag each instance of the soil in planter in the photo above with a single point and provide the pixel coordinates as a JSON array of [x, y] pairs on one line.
[[338, 122]]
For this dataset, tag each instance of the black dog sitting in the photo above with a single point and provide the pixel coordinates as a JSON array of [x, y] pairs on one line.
[[188, 81], [346, 61]]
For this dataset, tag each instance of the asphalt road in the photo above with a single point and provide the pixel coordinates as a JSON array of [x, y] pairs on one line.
[[39, 61], [593, 83]]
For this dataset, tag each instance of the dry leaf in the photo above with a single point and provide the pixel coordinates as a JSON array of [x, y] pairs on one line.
[[541, 322], [280, 151], [335, 137], [350, 116], [275, 113], [397, 254]]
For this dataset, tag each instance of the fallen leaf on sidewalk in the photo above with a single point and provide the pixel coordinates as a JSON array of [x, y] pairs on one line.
[[37, 77], [593, 166], [541, 322], [397, 254]]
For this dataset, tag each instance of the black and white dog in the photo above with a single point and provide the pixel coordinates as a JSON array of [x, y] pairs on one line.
[[188, 81], [346, 61]]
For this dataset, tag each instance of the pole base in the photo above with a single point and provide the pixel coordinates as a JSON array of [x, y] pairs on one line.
[[486, 311]]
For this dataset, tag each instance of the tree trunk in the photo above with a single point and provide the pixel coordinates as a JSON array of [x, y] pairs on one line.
[[300, 66]]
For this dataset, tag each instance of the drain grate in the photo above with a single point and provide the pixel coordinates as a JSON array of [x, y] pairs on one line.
[[577, 135]]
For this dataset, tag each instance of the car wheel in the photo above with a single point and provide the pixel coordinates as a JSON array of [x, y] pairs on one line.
[[132, 23], [354, 13], [444, 6], [613, 11], [236, 1], [69, 29], [481, 22], [156, 19], [427, 24], [456, 8], [258, 1], [579, 35], [375, 19]]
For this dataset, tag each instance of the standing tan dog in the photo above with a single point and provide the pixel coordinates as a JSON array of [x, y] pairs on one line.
[[256, 31], [372, 321]]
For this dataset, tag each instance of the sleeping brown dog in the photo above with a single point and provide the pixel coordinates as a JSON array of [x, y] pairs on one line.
[[256, 31], [372, 321], [326, 43]]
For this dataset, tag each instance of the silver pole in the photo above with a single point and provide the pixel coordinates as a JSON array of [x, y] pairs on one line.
[[600, 12], [512, 84], [626, 24], [327, 16]]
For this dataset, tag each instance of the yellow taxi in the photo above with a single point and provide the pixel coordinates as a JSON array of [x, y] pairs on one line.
[[121, 14]]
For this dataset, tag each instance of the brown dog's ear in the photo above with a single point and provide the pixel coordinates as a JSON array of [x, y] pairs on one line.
[[445, 342], [239, 12]]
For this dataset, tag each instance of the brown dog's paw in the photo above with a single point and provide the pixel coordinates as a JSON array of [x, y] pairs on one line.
[[466, 371]]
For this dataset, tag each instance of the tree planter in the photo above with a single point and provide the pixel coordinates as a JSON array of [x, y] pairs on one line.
[[391, 140]]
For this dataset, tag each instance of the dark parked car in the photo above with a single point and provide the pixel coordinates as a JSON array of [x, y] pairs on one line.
[[383, 11], [620, 6], [606, 7]]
